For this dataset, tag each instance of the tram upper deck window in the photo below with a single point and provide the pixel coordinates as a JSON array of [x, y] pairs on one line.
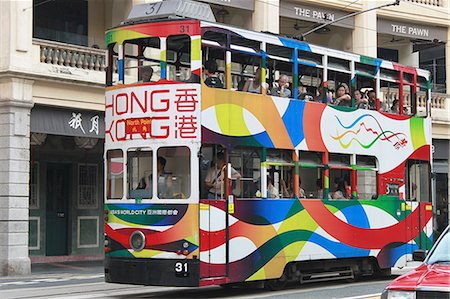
[[338, 64], [309, 58], [245, 44], [365, 69], [214, 66], [422, 96], [141, 60], [140, 179], [179, 58], [389, 92], [246, 68], [339, 83], [213, 38], [310, 83], [114, 174], [173, 172], [280, 70]]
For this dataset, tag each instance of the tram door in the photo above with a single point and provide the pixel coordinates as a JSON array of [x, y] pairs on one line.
[[418, 197], [213, 212]]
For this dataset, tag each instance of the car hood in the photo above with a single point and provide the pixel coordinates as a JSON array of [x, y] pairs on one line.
[[425, 277]]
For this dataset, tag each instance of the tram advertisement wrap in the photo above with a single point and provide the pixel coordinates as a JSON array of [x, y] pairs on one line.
[[171, 230]]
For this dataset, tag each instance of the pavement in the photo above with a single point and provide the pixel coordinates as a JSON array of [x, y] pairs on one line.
[[61, 270]]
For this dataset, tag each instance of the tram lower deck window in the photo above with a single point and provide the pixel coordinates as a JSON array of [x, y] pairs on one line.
[[173, 172]]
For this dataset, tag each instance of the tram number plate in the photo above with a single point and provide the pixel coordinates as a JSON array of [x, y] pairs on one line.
[[181, 269], [392, 189]]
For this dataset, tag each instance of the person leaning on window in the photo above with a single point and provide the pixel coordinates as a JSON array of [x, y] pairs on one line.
[[210, 71], [342, 97], [361, 101], [282, 89], [254, 85]]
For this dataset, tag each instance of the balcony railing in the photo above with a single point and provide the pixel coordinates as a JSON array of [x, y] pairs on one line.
[[428, 2], [440, 103], [71, 55]]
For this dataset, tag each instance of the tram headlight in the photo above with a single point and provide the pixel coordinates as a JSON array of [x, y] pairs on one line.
[[137, 241]]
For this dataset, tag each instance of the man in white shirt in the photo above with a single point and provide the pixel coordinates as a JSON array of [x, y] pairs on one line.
[[215, 179]]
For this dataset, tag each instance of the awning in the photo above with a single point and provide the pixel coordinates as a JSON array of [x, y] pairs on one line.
[[67, 122]]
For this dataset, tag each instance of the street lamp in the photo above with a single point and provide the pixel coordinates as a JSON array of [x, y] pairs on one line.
[[303, 35]]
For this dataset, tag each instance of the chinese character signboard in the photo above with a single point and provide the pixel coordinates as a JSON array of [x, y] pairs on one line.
[[67, 122], [157, 112]]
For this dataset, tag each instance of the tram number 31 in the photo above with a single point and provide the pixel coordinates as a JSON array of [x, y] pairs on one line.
[[181, 269]]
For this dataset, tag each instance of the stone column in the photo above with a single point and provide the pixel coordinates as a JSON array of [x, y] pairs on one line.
[[15, 107], [16, 21], [365, 32], [447, 62], [266, 16]]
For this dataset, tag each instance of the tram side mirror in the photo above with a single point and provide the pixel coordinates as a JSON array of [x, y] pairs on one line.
[[419, 255]]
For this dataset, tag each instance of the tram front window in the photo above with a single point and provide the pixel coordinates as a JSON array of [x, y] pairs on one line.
[[140, 174]]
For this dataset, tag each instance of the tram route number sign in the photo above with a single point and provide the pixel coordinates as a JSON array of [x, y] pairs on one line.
[[392, 189], [181, 269]]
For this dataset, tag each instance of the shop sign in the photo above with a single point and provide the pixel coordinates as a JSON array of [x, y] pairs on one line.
[[67, 122], [243, 4], [315, 14], [409, 30]]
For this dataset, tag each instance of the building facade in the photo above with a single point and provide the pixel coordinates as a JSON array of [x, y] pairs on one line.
[[52, 95]]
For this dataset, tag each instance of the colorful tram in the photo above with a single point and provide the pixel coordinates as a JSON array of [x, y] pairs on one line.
[[166, 133]]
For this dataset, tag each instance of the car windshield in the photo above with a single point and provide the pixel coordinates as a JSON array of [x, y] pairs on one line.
[[441, 253]]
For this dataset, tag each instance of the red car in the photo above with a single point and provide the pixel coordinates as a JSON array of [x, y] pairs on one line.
[[431, 280]]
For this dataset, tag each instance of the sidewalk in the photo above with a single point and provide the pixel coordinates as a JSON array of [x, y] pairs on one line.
[[60, 270]]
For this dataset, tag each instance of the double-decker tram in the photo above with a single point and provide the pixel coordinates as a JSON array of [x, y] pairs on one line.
[[234, 156]]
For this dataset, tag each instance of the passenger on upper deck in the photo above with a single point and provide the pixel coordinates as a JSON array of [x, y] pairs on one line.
[[282, 89], [395, 107], [146, 73], [360, 101], [254, 85], [373, 101], [210, 71], [319, 97], [303, 92], [342, 97]]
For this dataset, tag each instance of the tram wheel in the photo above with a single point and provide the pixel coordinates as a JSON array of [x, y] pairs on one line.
[[275, 284]]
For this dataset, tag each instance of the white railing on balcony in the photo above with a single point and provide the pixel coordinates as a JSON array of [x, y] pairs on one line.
[[428, 2], [57, 53], [440, 102]]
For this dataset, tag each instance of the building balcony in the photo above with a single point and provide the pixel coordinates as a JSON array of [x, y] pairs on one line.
[[62, 61]]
